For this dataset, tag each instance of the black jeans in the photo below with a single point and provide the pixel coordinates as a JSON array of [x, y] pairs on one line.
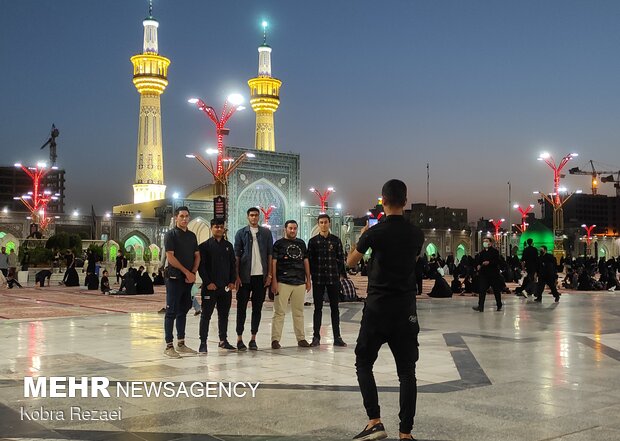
[[542, 281], [257, 288], [178, 303], [221, 299], [395, 322], [484, 283], [333, 292]]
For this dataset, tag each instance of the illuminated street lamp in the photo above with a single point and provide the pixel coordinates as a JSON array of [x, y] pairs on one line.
[[524, 212], [37, 200], [556, 200], [231, 105], [497, 224], [323, 196], [588, 236]]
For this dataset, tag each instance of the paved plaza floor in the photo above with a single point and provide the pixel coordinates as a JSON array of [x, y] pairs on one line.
[[530, 372]]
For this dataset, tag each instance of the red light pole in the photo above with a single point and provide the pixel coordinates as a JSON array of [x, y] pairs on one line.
[[556, 200], [323, 196], [588, 236], [39, 198], [524, 213], [497, 224], [267, 213], [220, 122]]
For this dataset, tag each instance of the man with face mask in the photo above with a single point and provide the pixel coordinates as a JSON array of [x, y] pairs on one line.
[[547, 275], [489, 275]]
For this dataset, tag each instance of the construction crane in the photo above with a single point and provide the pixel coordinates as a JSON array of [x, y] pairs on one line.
[[596, 177]]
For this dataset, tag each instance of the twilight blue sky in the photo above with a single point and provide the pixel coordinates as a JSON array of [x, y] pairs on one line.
[[372, 90]]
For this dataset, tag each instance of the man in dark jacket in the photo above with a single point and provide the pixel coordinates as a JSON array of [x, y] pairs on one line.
[[489, 275], [218, 273], [253, 251], [530, 263], [547, 275]]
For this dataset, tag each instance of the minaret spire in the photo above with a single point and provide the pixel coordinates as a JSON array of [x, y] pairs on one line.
[[264, 97], [150, 76]]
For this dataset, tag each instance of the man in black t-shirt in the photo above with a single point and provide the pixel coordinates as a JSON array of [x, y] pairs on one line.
[[183, 259], [291, 280], [390, 312]]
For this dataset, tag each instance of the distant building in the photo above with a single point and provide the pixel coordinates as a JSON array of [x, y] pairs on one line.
[[431, 216], [589, 209], [14, 182]]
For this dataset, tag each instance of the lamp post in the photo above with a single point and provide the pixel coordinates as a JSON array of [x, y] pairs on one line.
[[323, 196], [556, 200], [220, 179], [231, 105], [37, 200], [497, 224], [588, 236], [266, 213], [524, 212]]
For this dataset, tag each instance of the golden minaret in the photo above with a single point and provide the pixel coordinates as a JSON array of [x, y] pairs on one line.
[[265, 97], [150, 76]]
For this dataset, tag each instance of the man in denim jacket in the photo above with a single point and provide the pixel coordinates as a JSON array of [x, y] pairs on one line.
[[253, 251]]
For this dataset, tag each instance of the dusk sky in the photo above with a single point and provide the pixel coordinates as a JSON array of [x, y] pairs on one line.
[[372, 90]]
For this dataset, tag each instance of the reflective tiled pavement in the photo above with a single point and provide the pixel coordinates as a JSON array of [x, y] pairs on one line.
[[529, 372]]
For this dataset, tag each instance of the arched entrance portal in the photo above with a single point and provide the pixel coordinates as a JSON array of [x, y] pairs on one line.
[[460, 252], [8, 241], [136, 244], [431, 249], [263, 193], [201, 229]]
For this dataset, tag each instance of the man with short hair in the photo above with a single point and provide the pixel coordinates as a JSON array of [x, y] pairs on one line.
[[326, 259], [291, 280], [488, 274], [253, 251], [4, 262], [547, 275], [218, 273], [390, 314], [183, 259]]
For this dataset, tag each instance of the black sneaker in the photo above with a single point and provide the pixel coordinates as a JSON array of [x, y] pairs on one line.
[[316, 341], [557, 298], [373, 433], [499, 308], [253, 346], [338, 341], [241, 346], [538, 299], [225, 345], [203, 348], [477, 308]]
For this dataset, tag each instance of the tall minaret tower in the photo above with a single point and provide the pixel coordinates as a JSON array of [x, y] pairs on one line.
[[265, 97], [150, 76]]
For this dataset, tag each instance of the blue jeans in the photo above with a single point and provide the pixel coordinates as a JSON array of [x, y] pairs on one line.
[[178, 303]]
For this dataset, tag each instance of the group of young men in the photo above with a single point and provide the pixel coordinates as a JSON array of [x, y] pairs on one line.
[[289, 269], [251, 266]]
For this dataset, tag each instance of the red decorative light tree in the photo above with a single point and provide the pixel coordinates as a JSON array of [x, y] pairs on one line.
[[231, 105], [557, 172], [588, 235], [267, 213], [37, 200], [323, 196], [524, 212], [497, 224]]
